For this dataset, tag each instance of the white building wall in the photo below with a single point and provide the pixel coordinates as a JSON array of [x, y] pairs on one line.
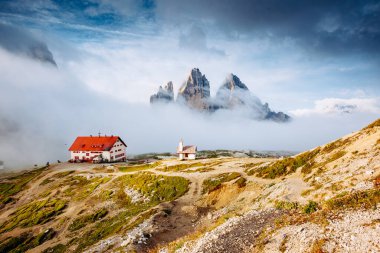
[[191, 157], [116, 153]]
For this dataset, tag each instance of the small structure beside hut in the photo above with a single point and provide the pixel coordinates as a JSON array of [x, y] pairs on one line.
[[186, 152]]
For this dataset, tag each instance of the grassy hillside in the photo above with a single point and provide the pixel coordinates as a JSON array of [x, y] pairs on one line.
[[327, 195]]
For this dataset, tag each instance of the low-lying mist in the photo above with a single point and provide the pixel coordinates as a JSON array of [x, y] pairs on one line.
[[43, 109]]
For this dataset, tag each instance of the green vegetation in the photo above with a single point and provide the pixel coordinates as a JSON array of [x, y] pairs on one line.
[[13, 185], [139, 167], [360, 199], [26, 241], [156, 187], [284, 241], [241, 182], [373, 124], [201, 170], [308, 168], [84, 220], [250, 168], [81, 187], [181, 166], [58, 175], [286, 205], [37, 212], [286, 166], [310, 207], [216, 182], [317, 246], [59, 248]]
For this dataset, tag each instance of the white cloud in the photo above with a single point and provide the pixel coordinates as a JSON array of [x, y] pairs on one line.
[[333, 106]]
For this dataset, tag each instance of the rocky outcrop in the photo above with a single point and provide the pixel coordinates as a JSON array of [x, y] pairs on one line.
[[234, 94], [195, 92], [164, 95]]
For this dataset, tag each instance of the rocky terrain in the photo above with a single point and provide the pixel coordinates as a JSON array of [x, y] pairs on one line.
[[322, 200], [164, 95], [195, 92], [232, 95]]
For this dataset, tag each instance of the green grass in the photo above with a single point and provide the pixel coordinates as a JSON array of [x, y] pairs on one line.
[[373, 124], [58, 175], [201, 170], [286, 205], [360, 199], [25, 241], [213, 183], [250, 168], [109, 226], [37, 212], [81, 187], [310, 207], [156, 187], [59, 248], [84, 220], [12, 185], [287, 165], [139, 167], [181, 166]]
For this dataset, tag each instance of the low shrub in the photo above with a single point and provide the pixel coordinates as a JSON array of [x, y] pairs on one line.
[[286, 205], [181, 166], [310, 207], [286, 166], [59, 248], [37, 212], [213, 183], [84, 220], [26, 241], [12, 185], [139, 167], [156, 187], [373, 124], [360, 199], [241, 182]]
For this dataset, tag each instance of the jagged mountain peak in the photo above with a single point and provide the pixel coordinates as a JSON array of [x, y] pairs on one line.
[[233, 94], [165, 94], [195, 91], [232, 81]]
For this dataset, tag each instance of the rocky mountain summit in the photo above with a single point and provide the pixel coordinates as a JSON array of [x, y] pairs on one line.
[[195, 92], [164, 94], [232, 95]]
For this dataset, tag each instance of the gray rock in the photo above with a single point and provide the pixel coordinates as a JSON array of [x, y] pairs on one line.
[[195, 91], [164, 95], [235, 94]]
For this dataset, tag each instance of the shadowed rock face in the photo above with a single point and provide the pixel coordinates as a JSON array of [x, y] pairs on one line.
[[164, 95], [195, 92], [234, 94]]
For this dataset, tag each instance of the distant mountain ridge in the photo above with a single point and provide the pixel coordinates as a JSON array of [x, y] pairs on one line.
[[232, 95]]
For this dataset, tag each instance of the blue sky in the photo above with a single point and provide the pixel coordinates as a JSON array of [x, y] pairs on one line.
[[308, 60]]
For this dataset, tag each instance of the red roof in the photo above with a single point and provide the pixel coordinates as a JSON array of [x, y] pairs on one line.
[[94, 143]]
